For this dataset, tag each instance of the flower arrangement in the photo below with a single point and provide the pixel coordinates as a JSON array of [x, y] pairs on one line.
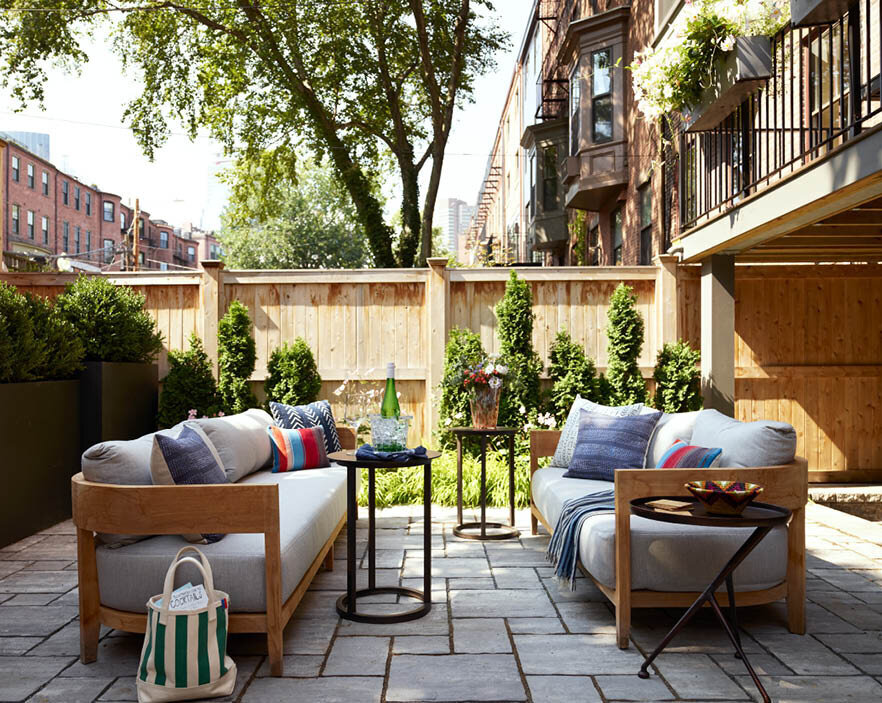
[[673, 76], [484, 383]]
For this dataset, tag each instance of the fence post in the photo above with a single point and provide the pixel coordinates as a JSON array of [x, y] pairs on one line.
[[211, 301], [667, 305], [437, 313]]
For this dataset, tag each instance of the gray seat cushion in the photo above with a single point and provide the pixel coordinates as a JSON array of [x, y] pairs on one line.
[[663, 555], [312, 503], [758, 443]]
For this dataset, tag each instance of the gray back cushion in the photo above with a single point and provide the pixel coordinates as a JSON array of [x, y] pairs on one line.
[[566, 445], [744, 444], [241, 440], [670, 428]]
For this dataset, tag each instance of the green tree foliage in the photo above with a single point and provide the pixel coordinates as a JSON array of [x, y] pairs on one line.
[[283, 224], [36, 342], [111, 320], [677, 378], [624, 334], [463, 349], [572, 373], [515, 329], [189, 385], [293, 375], [236, 354], [366, 82]]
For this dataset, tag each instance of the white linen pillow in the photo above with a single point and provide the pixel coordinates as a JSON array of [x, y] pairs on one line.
[[566, 445]]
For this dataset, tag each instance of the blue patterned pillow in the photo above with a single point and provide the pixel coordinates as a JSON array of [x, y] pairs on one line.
[[188, 459], [607, 443], [302, 417]]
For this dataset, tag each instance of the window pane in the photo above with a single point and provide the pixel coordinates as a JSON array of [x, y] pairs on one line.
[[600, 73], [601, 115], [645, 205]]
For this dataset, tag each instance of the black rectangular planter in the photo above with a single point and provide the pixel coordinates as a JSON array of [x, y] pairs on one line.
[[118, 401], [39, 452], [737, 74], [808, 13]]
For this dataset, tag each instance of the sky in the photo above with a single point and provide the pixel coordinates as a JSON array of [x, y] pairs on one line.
[[83, 116]]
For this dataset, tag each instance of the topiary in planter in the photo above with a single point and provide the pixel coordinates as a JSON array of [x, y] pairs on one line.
[[237, 355], [189, 385], [463, 349], [624, 334], [572, 373], [293, 375], [677, 378], [515, 315], [110, 320]]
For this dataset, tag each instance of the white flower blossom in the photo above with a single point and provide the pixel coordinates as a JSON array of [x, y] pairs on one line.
[[490, 368], [448, 422], [494, 382], [522, 410], [458, 415], [501, 369]]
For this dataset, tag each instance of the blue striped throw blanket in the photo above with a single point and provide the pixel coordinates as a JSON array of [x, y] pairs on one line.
[[563, 549]]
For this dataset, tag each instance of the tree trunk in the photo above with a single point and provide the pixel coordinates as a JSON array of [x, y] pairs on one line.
[[429, 205], [410, 211]]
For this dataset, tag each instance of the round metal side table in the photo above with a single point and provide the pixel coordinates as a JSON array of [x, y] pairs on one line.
[[346, 604], [466, 530], [761, 516]]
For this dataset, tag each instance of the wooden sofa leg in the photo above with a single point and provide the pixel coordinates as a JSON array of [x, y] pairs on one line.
[[796, 573], [623, 625], [274, 649], [534, 523], [90, 601], [329, 558]]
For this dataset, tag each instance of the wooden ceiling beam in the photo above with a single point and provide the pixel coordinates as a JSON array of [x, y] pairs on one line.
[[855, 217]]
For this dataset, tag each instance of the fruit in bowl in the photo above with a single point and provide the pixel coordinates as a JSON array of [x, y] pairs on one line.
[[724, 497]]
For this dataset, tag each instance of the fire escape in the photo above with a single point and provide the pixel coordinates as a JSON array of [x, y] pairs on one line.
[[553, 87]]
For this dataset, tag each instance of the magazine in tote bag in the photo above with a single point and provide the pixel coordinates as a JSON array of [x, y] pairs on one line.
[[185, 650]]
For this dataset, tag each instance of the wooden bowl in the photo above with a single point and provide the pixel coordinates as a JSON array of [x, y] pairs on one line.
[[724, 497]]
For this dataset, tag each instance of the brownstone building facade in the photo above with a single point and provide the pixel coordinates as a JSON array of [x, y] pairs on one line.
[[47, 212]]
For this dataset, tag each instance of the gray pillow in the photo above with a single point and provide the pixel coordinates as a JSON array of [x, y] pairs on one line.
[[122, 462], [567, 442], [241, 441], [606, 443], [669, 429], [745, 444]]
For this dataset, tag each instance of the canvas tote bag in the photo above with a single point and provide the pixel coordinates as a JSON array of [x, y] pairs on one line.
[[185, 651]]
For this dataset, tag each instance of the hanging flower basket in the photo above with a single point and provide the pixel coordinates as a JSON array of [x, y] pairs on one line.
[[738, 73]]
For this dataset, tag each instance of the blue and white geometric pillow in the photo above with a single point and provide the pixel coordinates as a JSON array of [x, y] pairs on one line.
[[301, 417]]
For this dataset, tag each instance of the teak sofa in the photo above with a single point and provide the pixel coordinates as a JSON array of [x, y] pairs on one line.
[[266, 578], [785, 485]]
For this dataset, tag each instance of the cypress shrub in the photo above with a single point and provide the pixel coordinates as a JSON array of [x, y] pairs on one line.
[[677, 378], [293, 375], [236, 358], [111, 320], [515, 315], [63, 347], [463, 349], [624, 334], [572, 373], [189, 385]]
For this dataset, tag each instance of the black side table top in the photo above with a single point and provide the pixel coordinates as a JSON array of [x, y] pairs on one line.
[[348, 459], [754, 515], [483, 430]]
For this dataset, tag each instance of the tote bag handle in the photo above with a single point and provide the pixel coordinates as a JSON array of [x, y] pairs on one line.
[[169, 585]]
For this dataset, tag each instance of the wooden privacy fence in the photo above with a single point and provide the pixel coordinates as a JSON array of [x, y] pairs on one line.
[[808, 339]]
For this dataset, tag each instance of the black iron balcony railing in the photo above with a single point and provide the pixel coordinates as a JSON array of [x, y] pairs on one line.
[[824, 90]]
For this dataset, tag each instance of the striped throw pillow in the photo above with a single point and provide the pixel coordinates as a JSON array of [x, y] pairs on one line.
[[687, 456], [294, 450]]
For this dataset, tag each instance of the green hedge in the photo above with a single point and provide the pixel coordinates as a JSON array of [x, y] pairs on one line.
[[405, 486]]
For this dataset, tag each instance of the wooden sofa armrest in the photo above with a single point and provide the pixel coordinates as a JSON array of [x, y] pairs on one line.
[[347, 436], [171, 510], [542, 444]]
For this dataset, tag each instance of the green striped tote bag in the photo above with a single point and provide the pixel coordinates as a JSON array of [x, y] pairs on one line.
[[185, 652]]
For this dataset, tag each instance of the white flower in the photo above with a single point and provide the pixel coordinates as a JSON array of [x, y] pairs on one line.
[[727, 44], [522, 410], [501, 370], [490, 368], [448, 422], [494, 382], [458, 415]]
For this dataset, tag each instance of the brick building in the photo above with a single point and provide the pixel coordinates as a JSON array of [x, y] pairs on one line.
[[47, 212], [570, 177]]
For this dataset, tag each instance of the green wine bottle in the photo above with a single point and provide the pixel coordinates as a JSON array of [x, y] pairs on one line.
[[390, 407]]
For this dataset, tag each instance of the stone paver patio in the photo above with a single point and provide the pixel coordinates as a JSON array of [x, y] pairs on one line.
[[500, 630]]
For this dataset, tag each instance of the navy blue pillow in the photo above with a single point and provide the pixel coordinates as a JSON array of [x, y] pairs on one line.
[[607, 443], [302, 417]]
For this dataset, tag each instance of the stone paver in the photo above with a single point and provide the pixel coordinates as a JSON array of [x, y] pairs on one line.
[[501, 629], [455, 677]]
